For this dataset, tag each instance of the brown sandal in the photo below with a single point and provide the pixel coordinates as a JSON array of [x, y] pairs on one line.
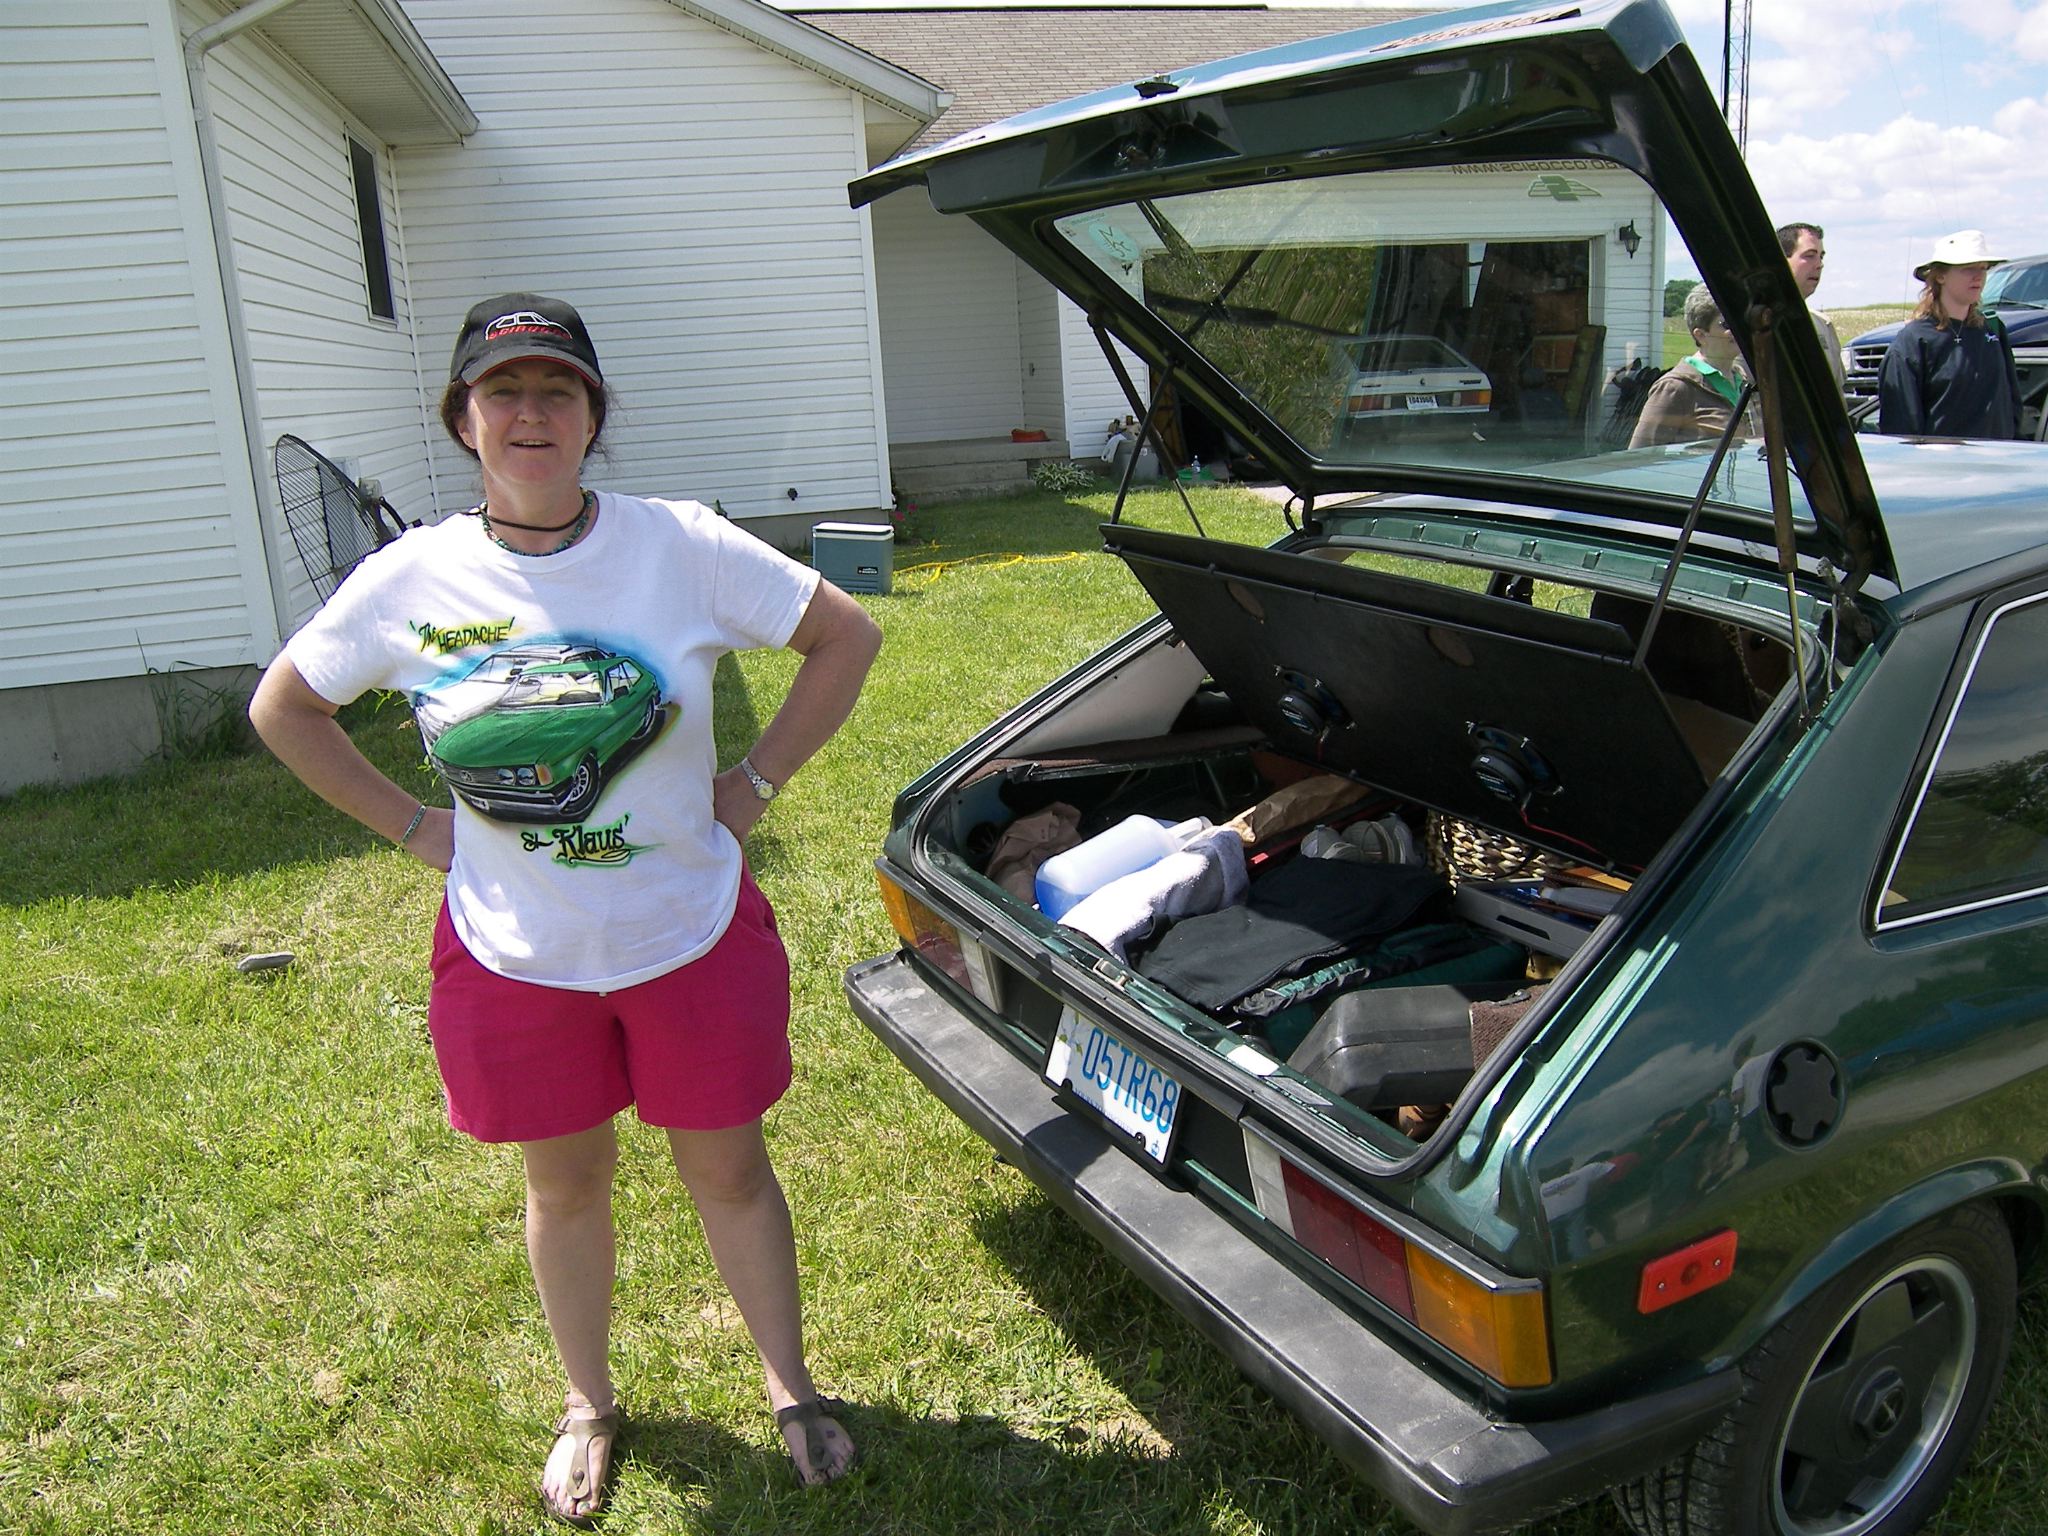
[[818, 1437], [581, 1432]]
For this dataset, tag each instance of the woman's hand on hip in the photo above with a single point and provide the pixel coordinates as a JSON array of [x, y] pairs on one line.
[[433, 841], [734, 805]]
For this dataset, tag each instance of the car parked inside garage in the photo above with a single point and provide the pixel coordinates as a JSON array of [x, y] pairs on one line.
[[1655, 1096]]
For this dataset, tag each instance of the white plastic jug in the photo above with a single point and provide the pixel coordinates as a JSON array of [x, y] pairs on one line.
[[1128, 846]]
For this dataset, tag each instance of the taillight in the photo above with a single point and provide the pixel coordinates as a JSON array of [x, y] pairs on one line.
[[1362, 403], [1496, 1323], [922, 929]]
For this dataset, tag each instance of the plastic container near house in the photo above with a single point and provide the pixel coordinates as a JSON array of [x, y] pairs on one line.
[[854, 557]]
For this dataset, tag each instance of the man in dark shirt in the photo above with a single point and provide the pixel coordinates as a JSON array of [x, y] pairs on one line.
[[1949, 372]]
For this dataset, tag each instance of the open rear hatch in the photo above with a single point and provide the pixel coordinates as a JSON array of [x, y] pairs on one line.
[[1431, 257]]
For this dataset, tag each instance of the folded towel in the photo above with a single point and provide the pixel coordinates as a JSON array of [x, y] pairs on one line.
[[1206, 875], [1027, 843]]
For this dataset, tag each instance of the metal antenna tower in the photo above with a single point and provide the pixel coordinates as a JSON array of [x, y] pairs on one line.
[[1735, 32]]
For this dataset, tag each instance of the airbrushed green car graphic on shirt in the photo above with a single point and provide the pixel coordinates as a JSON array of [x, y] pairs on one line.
[[534, 733]]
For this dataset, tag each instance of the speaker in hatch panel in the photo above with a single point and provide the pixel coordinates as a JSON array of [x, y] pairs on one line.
[[1309, 707], [1508, 766]]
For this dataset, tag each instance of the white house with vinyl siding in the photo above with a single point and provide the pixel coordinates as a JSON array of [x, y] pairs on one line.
[[975, 343], [188, 277], [200, 197]]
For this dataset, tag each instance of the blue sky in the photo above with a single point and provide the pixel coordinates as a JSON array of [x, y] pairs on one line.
[[1891, 122], [1887, 122]]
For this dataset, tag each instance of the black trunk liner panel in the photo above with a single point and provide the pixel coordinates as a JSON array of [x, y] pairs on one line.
[[1412, 668]]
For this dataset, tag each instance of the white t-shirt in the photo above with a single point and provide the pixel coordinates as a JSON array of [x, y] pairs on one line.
[[566, 700]]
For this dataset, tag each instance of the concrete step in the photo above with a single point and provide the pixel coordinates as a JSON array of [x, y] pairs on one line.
[[957, 468], [971, 450], [958, 486]]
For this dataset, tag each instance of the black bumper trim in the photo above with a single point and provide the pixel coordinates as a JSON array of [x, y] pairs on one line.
[[1448, 1464]]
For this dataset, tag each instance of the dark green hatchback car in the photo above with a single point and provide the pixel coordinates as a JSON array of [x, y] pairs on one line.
[[1653, 1097]]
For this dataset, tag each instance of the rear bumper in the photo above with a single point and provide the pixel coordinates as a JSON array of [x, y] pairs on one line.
[[1449, 1465]]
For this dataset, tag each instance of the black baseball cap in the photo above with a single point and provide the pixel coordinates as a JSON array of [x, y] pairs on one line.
[[515, 326]]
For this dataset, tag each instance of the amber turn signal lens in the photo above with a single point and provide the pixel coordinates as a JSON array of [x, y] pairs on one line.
[[922, 929], [1501, 1332]]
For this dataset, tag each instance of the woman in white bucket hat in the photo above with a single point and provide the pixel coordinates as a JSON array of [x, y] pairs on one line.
[[1949, 372]]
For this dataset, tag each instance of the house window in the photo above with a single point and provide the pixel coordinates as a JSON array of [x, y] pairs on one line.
[[362, 162], [1980, 831]]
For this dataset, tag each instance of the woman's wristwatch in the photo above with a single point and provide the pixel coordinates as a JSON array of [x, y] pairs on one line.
[[763, 789]]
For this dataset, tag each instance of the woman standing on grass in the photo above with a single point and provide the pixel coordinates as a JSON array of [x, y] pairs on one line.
[[1950, 372], [601, 943]]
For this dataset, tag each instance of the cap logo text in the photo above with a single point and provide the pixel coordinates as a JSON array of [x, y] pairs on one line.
[[525, 322]]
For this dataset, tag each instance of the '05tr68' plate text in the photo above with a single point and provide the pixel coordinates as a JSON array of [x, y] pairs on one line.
[[1118, 1081]]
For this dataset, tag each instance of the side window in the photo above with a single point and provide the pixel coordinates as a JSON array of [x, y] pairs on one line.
[[1980, 830], [362, 163]]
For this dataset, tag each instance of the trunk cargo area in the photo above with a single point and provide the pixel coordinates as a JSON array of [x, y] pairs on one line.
[[1422, 800]]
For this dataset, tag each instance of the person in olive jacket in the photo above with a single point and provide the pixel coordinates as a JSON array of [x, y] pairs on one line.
[[1696, 396], [1949, 372]]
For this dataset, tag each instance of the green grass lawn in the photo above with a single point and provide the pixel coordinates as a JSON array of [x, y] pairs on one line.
[[250, 1282]]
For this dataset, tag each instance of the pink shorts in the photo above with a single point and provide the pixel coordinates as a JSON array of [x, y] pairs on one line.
[[702, 1048]]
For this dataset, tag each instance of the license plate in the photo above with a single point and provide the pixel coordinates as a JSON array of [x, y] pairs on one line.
[[1422, 402], [1118, 1082]]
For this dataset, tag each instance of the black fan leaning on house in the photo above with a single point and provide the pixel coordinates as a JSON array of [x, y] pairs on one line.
[[333, 523]]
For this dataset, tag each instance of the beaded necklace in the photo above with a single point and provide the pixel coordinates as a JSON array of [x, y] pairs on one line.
[[575, 527]]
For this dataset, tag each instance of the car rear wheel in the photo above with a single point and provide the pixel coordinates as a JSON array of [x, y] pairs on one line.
[[1857, 1410]]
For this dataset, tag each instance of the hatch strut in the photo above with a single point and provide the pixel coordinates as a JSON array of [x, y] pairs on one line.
[[1691, 523], [1765, 390], [1763, 324], [1147, 428]]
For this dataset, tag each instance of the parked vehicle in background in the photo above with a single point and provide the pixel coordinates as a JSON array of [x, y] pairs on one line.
[[1401, 382], [1674, 1125], [2017, 293]]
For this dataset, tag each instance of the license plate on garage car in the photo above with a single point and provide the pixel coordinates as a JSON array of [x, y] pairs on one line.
[[1422, 402], [1119, 1082]]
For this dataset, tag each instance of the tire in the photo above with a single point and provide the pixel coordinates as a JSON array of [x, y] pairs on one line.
[[1857, 1410], [583, 788]]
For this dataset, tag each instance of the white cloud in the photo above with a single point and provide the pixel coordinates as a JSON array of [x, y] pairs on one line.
[[2030, 37], [2024, 121], [2012, 24], [1885, 195]]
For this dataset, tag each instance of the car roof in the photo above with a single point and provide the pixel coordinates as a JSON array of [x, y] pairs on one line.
[[1952, 505]]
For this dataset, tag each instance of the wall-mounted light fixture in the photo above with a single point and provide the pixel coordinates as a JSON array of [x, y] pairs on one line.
[[1630, 240]]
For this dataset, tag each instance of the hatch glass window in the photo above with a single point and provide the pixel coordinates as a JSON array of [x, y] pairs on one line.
[[1523, 318], [1980, 831]]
